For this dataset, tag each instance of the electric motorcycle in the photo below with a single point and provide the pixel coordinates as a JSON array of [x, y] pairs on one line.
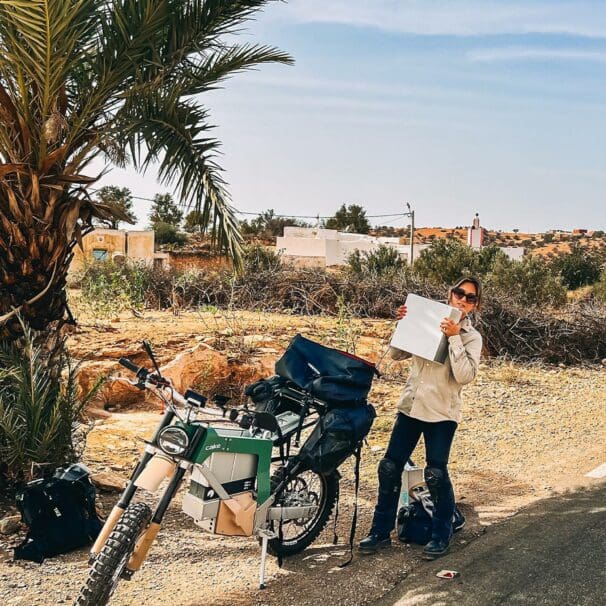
[[244, 480]]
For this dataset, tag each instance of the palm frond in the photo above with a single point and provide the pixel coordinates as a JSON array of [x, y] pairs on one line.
[[176, 135], [41, 39]]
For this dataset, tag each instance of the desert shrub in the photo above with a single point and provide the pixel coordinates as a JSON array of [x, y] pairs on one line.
[[512, 326], [165, 233], [108, 287], [529, 281], [529, 334], [384, 260], [256, 257], [378, 295], [39, 408], [578, 268], [445, 261], [599, 288]]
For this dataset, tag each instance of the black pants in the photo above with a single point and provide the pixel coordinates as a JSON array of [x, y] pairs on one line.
[[404, 437]]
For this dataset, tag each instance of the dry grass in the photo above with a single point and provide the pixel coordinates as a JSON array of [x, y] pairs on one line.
[[510, 374]]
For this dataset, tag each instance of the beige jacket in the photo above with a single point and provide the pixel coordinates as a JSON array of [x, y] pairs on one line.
[[433, 391]]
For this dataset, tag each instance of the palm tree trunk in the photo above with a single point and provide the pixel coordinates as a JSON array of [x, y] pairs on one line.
[[35, 254]]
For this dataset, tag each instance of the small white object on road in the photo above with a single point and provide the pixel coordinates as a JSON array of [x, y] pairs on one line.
[[447, 574], [598, 472]]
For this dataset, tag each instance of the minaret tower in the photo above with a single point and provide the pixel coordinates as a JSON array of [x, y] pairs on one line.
[[475, 234]]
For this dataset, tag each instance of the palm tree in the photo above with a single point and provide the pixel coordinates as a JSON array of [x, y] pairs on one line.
[[113, 79]]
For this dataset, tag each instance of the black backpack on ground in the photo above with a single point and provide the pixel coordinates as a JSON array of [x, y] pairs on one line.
[[414, 520], [60, 514]]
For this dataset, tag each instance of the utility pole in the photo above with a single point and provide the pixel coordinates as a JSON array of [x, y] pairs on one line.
[[411, 214]]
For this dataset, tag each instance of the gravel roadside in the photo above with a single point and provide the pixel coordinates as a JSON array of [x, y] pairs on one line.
[[528, 432]]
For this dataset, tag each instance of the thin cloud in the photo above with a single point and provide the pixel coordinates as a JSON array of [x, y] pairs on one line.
[[489, 55], [462, 18]]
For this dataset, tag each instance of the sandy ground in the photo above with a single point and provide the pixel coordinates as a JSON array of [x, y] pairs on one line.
[[528, 432]]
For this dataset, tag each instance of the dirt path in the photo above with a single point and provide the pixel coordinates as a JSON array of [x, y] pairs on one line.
[[527, 433]]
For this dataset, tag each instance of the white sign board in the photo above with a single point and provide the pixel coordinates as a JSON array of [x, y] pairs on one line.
[[419, 333]]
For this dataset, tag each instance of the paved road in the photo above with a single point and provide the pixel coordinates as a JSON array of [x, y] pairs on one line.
[[552, 553]]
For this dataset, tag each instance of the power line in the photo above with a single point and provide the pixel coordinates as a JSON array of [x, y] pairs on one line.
[[255, 214], [241, 212]]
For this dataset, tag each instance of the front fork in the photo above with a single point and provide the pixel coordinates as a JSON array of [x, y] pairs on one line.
[[146, 540]]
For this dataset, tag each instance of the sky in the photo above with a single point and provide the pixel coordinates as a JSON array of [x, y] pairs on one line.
[[454, 106]]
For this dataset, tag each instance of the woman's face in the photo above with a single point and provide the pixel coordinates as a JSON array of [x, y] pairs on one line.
[[460, 295]]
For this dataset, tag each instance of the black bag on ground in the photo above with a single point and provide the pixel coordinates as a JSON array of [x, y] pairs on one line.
[[336, 437], [334, 376], [414, 521], [60, 514]]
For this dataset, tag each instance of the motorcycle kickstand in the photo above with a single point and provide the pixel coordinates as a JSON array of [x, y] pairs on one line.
[[264, 541], [265, 536]]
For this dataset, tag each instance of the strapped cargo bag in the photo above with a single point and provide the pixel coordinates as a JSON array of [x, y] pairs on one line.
[[337, 436], [333, 376], [341, 381]]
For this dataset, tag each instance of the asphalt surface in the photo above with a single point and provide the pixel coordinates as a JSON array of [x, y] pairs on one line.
[[554, 552]]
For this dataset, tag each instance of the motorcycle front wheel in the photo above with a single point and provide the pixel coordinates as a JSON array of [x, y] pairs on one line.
[[110, 563], [303, 489]]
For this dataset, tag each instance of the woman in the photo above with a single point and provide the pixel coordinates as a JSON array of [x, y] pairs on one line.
[[430, 404]]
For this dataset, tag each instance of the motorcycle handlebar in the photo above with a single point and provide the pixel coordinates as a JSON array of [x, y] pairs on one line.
[[143, 374], [130, 365]]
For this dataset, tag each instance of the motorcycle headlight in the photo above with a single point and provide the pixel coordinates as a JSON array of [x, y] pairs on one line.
[[173, 440]]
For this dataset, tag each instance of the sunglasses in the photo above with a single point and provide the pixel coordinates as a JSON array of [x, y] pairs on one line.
[[470, 297]]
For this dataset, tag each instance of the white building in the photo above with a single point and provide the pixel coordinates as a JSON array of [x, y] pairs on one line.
[[515, 253], [475, 239], [317, 247], [327, 247]]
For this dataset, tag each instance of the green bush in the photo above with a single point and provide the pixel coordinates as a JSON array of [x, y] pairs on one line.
[[578, 268], [384, 260], [39, 408], [165, 233], [256, 257], [109, 287], [350, 218], [445, 261], [529, 281]]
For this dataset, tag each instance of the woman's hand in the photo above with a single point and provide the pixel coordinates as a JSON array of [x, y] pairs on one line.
[[401, 312], [450, 328]]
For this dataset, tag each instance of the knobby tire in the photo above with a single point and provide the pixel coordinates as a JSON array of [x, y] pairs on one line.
[[110, 562]]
